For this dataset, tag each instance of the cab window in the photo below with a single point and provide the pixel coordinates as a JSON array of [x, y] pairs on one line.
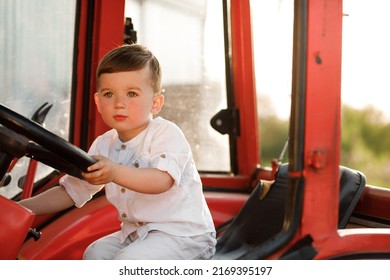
[[187, 38], [272, 29], [36, 58]]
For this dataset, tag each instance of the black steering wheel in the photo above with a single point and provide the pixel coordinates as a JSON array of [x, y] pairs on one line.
[[48, 140]]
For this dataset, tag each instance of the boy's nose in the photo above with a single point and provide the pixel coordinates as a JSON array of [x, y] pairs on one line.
[[119, 102]]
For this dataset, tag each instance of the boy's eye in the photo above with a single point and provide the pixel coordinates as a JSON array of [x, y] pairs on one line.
[[131, 94], [108, 94]]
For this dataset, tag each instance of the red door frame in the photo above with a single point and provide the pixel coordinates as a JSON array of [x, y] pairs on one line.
[[320, 172], [108, 33], [322, 140], [108, 27], [248, 151]]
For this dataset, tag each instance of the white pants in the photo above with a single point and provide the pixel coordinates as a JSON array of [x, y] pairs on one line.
[[156, 245]]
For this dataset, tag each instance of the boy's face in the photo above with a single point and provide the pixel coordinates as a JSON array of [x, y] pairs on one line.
[[127, 102]]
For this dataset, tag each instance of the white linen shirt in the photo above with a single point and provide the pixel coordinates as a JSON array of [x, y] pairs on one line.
[[181, 211]]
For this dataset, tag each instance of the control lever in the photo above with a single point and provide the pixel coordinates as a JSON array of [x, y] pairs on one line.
[[34, 233]]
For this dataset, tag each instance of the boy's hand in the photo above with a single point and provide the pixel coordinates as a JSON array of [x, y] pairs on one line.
[[101, 172]]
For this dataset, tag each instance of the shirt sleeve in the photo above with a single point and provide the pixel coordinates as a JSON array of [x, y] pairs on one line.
[[79, 190], [170, 151]]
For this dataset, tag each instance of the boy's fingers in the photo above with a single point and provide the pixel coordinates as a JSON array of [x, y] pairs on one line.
[[98, 158], [93, 167]]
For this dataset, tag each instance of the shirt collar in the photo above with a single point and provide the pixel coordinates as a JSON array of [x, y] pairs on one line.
[[119, 145]]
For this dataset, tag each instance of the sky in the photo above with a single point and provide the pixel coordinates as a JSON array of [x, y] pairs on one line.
[[365, 57]]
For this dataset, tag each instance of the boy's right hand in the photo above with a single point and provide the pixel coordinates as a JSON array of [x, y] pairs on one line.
[[102, 172]]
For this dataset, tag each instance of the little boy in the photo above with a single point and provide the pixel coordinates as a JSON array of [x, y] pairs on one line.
[[145, 165]]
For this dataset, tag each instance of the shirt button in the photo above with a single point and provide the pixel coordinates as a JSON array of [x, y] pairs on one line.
[[123, 146], [162, 156], [123, 190], [123, 215]]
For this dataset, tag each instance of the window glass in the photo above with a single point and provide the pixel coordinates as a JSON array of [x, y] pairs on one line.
[[272, 29], [365, 88], [364, 82], [36, 57], [187, 38]]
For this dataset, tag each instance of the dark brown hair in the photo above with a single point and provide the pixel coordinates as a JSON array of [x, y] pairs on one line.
[[131, 58]]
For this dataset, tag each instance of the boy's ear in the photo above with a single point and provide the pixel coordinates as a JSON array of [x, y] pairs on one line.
[[96, 98], [158, 102]]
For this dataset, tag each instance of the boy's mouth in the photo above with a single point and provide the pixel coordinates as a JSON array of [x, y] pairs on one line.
[[119, 117]]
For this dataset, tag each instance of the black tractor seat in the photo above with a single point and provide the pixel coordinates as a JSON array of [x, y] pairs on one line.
[[262, 218]]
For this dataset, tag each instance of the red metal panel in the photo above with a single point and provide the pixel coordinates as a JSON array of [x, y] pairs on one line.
[[80, 72], [322, 123], [68, 236], [322, 129], [322, 141], [244, 86], [12, 234], [375, 202], [108, 33], [354, 241], [225, 181], [224, 206]]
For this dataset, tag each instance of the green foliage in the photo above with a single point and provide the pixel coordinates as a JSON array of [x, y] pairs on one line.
[[273, 135], [365, 142]]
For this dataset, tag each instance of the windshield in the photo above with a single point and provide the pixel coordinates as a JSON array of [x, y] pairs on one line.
[[36, 58]]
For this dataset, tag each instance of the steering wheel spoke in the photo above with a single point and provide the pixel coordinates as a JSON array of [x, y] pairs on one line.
[[48, 140]]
